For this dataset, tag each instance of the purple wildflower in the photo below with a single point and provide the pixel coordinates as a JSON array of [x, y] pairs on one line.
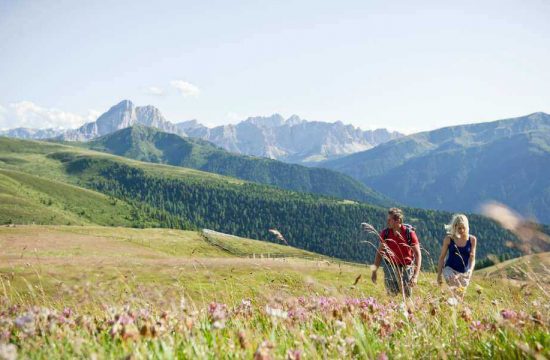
[[509, 314]]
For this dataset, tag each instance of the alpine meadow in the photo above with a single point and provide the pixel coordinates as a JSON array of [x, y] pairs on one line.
[[290, 180]]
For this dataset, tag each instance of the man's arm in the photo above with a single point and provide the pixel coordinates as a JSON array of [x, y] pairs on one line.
[[377, 261]]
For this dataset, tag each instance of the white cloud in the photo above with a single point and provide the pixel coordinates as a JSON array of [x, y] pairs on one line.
[[185, 88], [154, 90], [28, 114]]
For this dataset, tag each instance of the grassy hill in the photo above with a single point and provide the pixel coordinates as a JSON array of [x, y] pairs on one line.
[[535, 267], [30, 199], [458, 168], [152, 145]]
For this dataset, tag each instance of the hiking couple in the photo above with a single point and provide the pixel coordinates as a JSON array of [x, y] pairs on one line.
[[400, 256]]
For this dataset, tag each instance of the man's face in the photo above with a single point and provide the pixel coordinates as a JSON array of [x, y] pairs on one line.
[[390, 222]]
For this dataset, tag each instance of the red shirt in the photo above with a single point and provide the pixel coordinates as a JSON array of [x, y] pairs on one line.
[[397, 248]]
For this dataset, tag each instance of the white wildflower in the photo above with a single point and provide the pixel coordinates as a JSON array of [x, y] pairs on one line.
[[452, 301], [278, 313]]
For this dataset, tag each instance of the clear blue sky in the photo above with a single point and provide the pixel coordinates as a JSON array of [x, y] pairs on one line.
[[404, 65]]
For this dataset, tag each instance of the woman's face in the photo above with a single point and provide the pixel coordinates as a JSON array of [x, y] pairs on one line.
[[460, 229]]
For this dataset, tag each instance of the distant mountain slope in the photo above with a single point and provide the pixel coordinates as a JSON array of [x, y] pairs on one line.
[[292, 140], [457, 168], [149, 144]]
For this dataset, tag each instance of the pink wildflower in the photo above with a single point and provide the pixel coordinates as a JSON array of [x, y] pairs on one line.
[[509, 314]]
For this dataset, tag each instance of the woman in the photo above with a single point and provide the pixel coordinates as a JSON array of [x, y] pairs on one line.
[[461, 247]]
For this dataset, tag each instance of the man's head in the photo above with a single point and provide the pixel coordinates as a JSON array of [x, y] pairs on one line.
[[395, 218]]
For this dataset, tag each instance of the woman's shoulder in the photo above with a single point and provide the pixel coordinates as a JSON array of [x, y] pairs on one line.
[[473, 239], [447, 239]]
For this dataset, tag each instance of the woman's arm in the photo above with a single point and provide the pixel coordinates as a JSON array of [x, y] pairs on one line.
[[472, 260], [418, 263], [444, 249]]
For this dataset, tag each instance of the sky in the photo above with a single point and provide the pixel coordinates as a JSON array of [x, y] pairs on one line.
[[402, 65]]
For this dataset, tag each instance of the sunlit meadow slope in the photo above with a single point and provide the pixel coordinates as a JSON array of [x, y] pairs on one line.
[[104, 292]]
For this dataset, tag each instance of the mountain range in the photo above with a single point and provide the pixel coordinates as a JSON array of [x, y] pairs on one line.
[[292, 140], [27, 133], [459, 168]]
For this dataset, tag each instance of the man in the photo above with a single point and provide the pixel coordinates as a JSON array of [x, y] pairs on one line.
[[400, 249]]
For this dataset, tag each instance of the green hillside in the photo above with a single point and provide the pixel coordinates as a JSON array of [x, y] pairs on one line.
[[535, 267], [151, 145], [30, 199], [181, 198], [460, 167]]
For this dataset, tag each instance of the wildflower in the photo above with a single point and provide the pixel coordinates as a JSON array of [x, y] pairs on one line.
[[340, 324], [244, 308], [25, 323], [299, 314], [509, 314], [452, 301], [350, 341], [129, 331], [466, 314], [274, 312], [382, 356], [264, 351], [67, 312], [8, 352], [217, 314], [293, 355], [385, 328], [476, 325], [125, 319]]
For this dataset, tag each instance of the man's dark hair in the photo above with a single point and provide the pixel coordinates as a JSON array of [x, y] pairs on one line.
[[396, 214]]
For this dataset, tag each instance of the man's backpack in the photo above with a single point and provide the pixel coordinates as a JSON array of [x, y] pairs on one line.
[[408, 229]]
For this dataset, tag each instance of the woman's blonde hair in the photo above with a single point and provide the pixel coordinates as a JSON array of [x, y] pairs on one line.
[[458, 219]]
